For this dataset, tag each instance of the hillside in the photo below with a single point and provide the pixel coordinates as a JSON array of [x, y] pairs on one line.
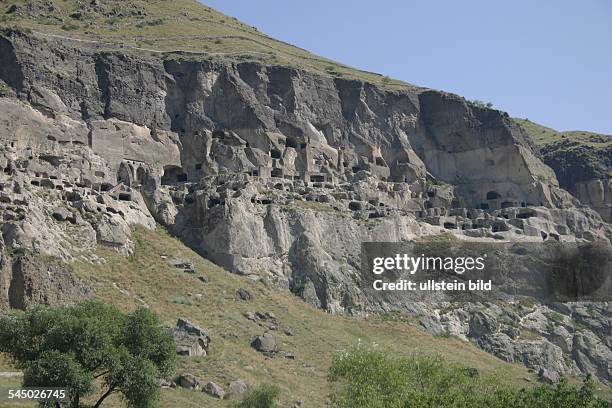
[[269, 167], [184, 27], [581, 160], [146, 277]]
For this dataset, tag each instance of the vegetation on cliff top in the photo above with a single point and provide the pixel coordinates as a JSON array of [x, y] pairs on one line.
[[180, 26], [542, 135]]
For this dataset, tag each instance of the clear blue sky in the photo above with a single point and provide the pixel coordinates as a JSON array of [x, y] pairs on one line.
[[547, 60]]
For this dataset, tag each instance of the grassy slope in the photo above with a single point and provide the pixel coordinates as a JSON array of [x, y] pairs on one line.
[[179, 25], [542, 135], [317, 335]]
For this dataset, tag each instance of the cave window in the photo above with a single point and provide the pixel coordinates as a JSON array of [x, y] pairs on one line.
[[51, 139], [275, 154], [141, 175], [198, 166], [218, 134], [493, 195], [291, 143], [106, 186], [484, 206], [317, 178], [173, 174], [125, 197], [356, 169], [255, 173], [449, 225], [277, 173], [380, 162]]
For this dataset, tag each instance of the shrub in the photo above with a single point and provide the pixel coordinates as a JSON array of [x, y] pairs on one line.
[[70, 27], [264, 396], [377, 379]]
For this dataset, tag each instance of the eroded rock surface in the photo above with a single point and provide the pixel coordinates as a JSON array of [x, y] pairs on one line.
[[278, 174]]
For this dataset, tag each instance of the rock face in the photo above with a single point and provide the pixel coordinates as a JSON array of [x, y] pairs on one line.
[[271, 172], [584, 170]]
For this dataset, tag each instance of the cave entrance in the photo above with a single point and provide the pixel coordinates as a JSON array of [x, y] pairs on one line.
[[172, 175], [493, 195]]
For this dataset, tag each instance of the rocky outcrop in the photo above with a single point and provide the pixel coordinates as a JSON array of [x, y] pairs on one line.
[[272, 172], [190, 340], [584, 169]]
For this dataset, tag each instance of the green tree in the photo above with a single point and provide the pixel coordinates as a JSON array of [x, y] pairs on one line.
[[77, 346]]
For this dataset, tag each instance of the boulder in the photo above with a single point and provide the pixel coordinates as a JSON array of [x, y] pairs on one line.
[[266, 344], [213, 389], [548, 377], [243, 294], [191, 340], [187, 381], [238, 387]]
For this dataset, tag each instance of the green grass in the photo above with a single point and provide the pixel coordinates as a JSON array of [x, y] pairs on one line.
[[180, 25], [317, 336], [542, 135]]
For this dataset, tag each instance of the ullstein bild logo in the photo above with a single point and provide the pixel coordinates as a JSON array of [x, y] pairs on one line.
[[480, 271], [412, 265]]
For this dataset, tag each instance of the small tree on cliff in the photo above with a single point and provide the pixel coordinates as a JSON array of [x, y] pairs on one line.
[[75, 347]]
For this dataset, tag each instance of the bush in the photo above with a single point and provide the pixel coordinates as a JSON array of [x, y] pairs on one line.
[[264, 396], [377, 379], [71, 347], [70, 27]]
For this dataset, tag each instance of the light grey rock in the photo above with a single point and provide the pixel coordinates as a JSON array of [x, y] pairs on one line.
[[188, 381], [190, 340], [238, 387], [266, 344], [213, 390]]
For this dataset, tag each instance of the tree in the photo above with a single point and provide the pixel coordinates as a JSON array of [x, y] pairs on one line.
[[76, 346]]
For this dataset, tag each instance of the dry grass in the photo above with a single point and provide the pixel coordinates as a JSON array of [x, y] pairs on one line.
[[542, 135], [185, 25], [316, 335]]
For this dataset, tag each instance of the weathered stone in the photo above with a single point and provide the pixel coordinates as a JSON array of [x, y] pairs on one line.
[[213, 389], [238, 387], [188, 381], [266, 343], [190, 340], [243, 294]]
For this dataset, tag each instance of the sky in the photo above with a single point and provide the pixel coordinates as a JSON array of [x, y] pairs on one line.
[[546, 60]]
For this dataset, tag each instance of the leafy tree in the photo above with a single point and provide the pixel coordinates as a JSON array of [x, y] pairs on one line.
[[264, 396], [374, 378], [77, 346]]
